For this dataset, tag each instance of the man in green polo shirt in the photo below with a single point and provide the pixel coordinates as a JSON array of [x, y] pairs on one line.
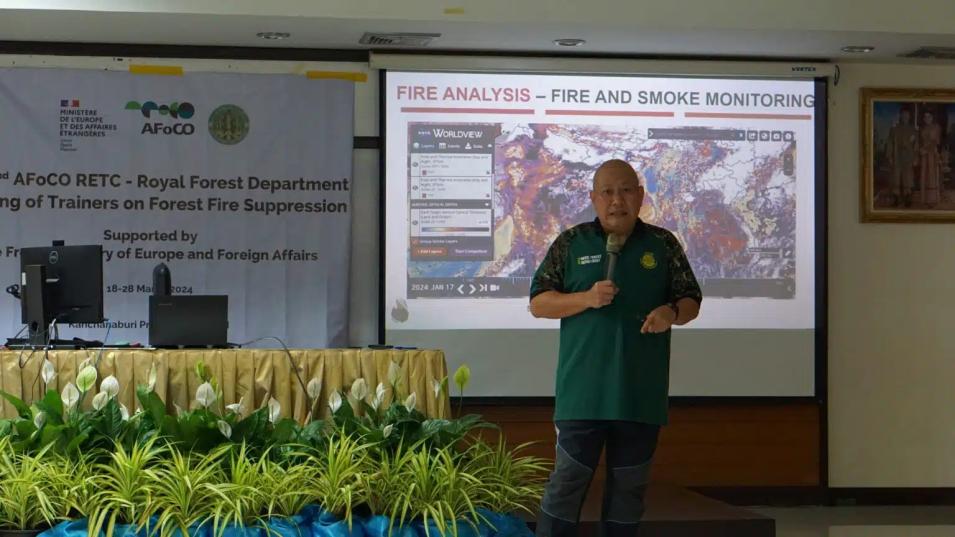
[[614, 359]]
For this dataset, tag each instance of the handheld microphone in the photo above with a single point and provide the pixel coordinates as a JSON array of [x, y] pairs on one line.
[[614, 244]]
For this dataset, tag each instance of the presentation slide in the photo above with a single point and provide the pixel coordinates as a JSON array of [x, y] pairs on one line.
[[484, 170]]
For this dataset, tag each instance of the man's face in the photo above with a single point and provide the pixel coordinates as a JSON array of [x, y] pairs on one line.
[[617, 197], [905, 117], [927, 118]]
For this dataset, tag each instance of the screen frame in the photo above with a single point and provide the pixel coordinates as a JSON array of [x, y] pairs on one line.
[[820, 231]]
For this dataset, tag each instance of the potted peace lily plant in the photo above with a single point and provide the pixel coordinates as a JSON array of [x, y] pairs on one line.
[[374, 468]]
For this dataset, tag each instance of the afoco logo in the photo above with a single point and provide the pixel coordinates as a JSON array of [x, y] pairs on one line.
[[175, 110]]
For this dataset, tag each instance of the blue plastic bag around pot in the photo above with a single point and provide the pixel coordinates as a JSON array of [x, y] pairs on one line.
[[128, 530], [294, 526], [379, 526], [151, 529], [503, 525], [309, 513], [489, 523], [239, 530], [70, 528], [328, 525], [513, 526], [195, 530], [465, 529]]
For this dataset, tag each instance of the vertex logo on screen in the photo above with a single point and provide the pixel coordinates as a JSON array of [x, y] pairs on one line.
[[175, 110]]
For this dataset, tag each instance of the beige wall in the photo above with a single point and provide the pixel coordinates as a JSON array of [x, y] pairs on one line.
[[892, 317]]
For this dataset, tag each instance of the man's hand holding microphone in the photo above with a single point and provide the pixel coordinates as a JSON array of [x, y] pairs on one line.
[[659, 320]]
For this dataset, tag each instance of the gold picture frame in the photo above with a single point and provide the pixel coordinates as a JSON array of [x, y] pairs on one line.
[[907, 159]]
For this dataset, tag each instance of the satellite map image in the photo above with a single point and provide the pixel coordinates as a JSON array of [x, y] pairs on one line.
[[730, 200]]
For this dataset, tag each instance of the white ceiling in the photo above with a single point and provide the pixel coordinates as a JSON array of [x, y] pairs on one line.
[[754, 28]]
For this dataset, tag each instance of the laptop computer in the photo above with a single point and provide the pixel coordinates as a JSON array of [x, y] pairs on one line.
[[189, 321]]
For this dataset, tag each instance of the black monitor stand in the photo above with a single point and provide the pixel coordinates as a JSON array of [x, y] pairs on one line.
[[36, 296]]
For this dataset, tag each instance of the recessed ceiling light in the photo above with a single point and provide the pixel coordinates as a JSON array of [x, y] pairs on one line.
[[857, 49], [568, 42], [274, 35]]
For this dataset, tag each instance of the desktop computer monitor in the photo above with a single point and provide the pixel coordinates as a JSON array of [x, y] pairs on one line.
[[61, 283]]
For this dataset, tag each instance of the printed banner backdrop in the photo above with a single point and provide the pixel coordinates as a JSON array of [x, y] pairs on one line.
[[239, 183]]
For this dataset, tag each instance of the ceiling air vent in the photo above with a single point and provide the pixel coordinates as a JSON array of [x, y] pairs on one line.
[[397, 39], [935, 53]]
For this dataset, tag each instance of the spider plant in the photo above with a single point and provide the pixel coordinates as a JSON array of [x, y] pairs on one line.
[[439, 492], [337, 478], [183, 490], [385, 483], [512, 482], [28, 499], [73, 480], [289, 487], [240, 499], [125, 484]]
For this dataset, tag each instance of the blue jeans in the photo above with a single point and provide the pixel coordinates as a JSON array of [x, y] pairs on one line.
[[630, 446]]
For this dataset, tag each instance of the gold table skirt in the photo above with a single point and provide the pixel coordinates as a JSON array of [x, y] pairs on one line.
[[255, 374]]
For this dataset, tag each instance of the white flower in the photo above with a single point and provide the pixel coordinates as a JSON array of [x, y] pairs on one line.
[[110, 386], [86, 379], [48, 372], [314, 388], [275, 409], [411, 401], [379, 396], [237, 408], [205, 395], [225, 428], [39, 419], [359, 389], [100, 400], [436, 386], [387, 430], [124, 412], [393, 372], [70, 396], [334, 401], [153, 373]]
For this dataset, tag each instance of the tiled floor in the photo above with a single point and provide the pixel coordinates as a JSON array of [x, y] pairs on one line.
[[908, 521]]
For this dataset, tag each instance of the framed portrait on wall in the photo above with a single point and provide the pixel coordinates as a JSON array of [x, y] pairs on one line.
[[908, 155]]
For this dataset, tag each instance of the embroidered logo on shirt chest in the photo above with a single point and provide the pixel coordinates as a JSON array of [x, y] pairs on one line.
[[589, 259]]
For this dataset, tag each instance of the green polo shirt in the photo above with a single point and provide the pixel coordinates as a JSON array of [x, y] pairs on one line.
[[607, 369]]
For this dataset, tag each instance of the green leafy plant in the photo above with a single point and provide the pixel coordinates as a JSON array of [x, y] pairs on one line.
[[59, 420], [399, 423], [183, 489], [385, 484], [28, 498], [240, 498], [511, 482], [124, 486], [337, 479], [76, 484], [225, 465], [439, 492], [288, 485]]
